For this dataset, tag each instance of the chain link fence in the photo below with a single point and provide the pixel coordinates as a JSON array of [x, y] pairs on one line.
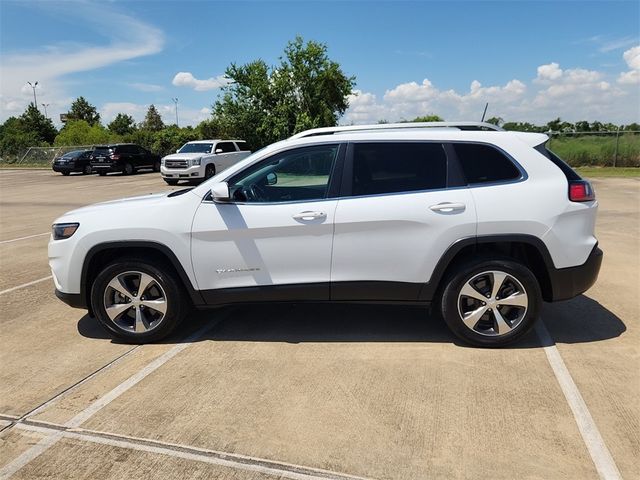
[[44, 156], [604, 149]]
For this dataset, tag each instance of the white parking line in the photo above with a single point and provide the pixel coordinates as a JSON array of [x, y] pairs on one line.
[[13, 289], [606, 466], [224, 459], [25, 238], [47, 442]]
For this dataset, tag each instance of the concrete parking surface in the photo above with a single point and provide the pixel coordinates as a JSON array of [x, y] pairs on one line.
[[311, 391]]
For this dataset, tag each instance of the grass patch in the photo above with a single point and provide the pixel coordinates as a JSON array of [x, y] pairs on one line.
[[597, 172], [597, 150]]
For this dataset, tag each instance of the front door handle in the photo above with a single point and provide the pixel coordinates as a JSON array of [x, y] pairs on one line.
[[448, 207], [309, 215]]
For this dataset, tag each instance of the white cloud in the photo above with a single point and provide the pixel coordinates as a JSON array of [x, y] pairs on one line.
[[186, 79], [632, 58], [551, 71], [146, 87], [573, 94], [51, 63]]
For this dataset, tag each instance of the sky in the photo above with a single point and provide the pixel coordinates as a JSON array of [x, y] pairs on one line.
[[531, 61]]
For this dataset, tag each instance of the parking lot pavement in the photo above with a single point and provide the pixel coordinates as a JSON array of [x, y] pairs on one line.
[[299, 391]]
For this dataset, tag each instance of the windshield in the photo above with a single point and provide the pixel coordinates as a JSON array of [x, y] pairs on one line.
[[196, 148], [74, 154]]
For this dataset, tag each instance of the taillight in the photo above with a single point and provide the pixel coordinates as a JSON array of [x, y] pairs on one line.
[[581, 191], [114, 156]]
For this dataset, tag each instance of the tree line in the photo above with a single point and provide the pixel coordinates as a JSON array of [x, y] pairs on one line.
[[260, 104]]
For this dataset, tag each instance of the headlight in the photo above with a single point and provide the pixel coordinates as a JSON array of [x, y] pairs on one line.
[[64, 230], [196, 161], [162, 161]]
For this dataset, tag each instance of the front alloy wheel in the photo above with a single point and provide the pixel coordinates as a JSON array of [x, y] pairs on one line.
[[135, 301], [138, 301]]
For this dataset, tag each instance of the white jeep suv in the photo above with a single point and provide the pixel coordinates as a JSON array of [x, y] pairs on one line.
[[479, 223], [202, 159]]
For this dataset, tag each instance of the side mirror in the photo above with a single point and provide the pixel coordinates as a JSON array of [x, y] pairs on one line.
[[218, 150], [272, 178], [178, 151], [220, 192]]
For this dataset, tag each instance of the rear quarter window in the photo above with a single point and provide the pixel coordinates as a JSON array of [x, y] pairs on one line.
[[484, 164]]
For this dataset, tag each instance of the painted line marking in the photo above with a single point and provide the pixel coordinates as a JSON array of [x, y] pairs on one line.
[[24, 238], [224, 459], [13, 289], [605, 465], [47, 442]]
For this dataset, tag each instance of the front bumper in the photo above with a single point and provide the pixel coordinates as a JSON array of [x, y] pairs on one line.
[[63, 167], [570, 282], [74, 300], [196, 171]]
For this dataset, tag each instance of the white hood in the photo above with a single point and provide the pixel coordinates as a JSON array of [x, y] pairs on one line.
[[185, 156]]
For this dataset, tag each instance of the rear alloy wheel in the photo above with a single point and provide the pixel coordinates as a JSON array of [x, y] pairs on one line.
[[138, 302], [491, 303], [209, 171], [127, 169], [87, 170]]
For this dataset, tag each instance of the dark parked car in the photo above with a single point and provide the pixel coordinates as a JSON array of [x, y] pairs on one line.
[[75, 161], [123, 157]]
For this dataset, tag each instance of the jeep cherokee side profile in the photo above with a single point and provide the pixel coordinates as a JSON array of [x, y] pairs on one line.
[[202, 159], [479, 223]]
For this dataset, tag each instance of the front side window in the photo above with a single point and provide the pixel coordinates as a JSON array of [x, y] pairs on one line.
[[398, 167], [295, 175], [226, 147], [484, 163]]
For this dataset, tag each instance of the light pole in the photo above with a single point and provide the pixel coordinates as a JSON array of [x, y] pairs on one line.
[[175, 100], [45, 105], [33, 87]]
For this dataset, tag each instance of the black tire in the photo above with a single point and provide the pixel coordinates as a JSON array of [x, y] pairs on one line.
[[209, 171], [66, 174], [127, 169], [156, 167], [485, 333], [173, 294], [102, 173], [171, 182], [87, 170]]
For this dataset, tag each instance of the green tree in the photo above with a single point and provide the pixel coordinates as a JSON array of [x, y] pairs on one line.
[[122, 125], [169, 139], [79, 132], [15, 139], [428, 118], [83, 110], [152, 120], [498, 121], [263, 104], [582, 126], [35, 122]]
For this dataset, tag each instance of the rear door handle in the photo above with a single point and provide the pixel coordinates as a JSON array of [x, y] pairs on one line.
[[309, 215], [448, 207]]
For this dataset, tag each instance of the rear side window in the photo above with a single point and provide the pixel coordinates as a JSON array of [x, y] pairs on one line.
[[398, 167], [242, 146], [484, 164]]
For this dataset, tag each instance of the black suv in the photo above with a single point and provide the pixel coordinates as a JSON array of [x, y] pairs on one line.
[[75, 161], [123, 157]]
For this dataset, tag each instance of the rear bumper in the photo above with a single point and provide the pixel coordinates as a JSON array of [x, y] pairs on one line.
[[570, 282], [74, 300]]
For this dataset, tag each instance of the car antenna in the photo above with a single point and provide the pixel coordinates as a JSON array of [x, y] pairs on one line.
[[485, 111]]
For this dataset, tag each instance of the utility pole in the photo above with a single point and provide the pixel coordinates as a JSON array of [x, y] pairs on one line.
[[33, 87], [45, 105], [175, 100], [615, 156]]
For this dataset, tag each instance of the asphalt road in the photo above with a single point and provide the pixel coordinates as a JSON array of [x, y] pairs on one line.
[[299, 391]]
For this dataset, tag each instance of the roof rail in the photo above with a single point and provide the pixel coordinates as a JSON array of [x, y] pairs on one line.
[[397, 126]]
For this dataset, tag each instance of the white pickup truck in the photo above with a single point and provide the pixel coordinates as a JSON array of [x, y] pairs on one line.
[[202, 159]]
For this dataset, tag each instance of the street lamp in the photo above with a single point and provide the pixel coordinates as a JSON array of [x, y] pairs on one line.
[[45, 105], [175, 100], [33, 87]]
